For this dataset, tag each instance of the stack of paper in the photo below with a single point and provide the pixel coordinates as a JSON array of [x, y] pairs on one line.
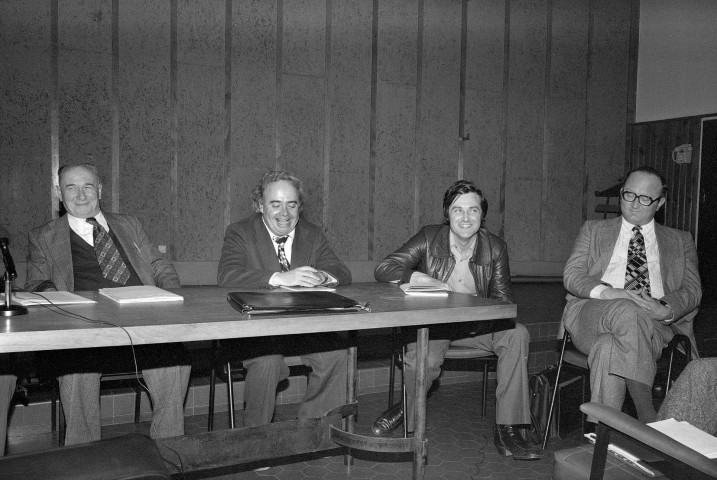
[[140, 294], [424, 290], [46, 298], [688, 435]]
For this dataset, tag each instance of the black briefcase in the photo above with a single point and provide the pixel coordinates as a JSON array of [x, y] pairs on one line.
[[256, 303]]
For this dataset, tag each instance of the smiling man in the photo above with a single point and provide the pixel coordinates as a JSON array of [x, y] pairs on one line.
[[88, 249], [466, 258], [275, 247], [632, 284]]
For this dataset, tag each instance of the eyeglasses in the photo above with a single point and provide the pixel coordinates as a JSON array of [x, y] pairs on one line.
[[642, 199]]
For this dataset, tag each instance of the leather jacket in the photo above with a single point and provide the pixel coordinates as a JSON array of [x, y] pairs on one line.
[[429, 251]]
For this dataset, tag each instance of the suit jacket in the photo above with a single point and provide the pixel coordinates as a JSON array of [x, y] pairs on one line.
[[50, 254], [249, 259], [678, 264]]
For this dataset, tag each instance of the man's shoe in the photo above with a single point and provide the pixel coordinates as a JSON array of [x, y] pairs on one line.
[[388, 420], [509, 442]]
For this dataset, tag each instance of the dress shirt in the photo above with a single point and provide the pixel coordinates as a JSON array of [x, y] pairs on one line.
[[461, 279], [615, 273], [85, 229], [288, 247]]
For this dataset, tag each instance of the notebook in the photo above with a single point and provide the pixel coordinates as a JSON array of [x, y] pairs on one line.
[[255, 303]]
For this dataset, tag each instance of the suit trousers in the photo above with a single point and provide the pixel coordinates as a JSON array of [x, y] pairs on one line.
[[7, 390], [165, 373], [511, 347], [326, 387], [621, 342]]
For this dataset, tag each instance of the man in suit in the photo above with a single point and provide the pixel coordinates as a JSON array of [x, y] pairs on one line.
[[275, 247], [88, 249], [632, 283], [463, 257]]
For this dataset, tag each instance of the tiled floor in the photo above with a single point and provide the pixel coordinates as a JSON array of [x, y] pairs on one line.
[[460, 446]]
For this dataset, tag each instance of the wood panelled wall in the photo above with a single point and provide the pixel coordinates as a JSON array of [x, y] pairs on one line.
[[378, 104], [651, 143]]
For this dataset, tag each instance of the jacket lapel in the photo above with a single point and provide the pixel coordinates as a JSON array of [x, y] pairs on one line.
[[58, 242], [300, 250], [265, 245]]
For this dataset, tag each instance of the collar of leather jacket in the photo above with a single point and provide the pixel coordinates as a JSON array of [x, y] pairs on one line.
[[441, 246]]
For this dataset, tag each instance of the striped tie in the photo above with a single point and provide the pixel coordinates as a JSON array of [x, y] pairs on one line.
[[111, 263], [636, 275], [281, 253]]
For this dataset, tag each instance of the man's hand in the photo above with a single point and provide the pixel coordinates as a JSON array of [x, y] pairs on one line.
[[300, 277], [655, 310]]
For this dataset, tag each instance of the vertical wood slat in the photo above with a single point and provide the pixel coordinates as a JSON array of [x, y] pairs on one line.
[[462, 91], [54, 106], [371, 223], [328, 92], [114, 105], [506, 91], [588, 75], [418, 123], [278, 78], [173, 133], [228, 35], [545, 183]]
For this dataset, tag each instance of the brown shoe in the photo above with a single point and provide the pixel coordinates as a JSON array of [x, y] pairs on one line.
[[509, 441]]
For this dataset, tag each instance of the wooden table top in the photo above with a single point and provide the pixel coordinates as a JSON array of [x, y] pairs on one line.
[[205, 314]]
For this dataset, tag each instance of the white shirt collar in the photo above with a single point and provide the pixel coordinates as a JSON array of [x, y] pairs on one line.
[[84, 229], [272, 235], [646, 229]]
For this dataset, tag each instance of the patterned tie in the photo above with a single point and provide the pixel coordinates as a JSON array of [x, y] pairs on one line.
[[281, 253], [111, 263], [636, 275]]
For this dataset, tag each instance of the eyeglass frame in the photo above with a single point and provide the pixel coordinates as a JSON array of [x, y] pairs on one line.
[[639, 197]]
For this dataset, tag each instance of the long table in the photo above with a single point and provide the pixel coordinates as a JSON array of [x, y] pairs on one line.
[[205, 314]]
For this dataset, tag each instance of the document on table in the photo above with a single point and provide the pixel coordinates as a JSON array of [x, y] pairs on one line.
[[688, 435], [46, 298], [309, 289], [140, 294], [424, 290]]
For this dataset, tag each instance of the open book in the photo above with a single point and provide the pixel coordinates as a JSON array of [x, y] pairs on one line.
[[424, 290], [688, 435], [140, 294]]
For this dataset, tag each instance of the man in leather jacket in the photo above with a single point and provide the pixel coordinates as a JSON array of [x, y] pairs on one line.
[[468, 260]]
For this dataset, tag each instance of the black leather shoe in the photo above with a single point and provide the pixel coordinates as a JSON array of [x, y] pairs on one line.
[[388, 420], [509, 442]]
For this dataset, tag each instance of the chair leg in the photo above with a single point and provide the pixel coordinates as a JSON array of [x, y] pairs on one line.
[[230, 393], [404, 399], [566, 337], [392, 368], [484, 393], [137, 403], [212, 384]]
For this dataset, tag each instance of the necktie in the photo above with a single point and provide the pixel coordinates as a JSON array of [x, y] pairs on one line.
[[281, 253], [636, 275], [111, 263]]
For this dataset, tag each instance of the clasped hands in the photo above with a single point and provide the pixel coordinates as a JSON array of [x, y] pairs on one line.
[[655, 310], [301, 277]]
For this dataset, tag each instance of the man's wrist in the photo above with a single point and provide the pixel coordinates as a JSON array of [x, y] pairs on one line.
[[672, 313]]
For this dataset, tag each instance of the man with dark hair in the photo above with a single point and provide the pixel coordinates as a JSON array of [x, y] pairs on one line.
[[275, 247], [88, 249], [467, 259], [632, 284]]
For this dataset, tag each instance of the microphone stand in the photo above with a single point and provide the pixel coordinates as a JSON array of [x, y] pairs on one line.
[[8, 310]]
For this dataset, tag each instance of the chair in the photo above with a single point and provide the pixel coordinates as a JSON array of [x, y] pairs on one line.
[[569, 354], [453, 353], [232, 373], [586, 461]]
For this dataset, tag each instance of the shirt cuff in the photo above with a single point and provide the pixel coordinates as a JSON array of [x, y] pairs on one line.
[[272, 282], [595, 292]]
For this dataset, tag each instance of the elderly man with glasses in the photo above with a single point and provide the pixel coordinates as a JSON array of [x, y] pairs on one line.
[[632, 284]]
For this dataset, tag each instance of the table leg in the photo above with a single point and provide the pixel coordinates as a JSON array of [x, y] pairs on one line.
[[350, 421], [419, 421]]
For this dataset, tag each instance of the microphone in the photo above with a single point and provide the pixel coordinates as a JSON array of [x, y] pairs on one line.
[[6, 257]]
